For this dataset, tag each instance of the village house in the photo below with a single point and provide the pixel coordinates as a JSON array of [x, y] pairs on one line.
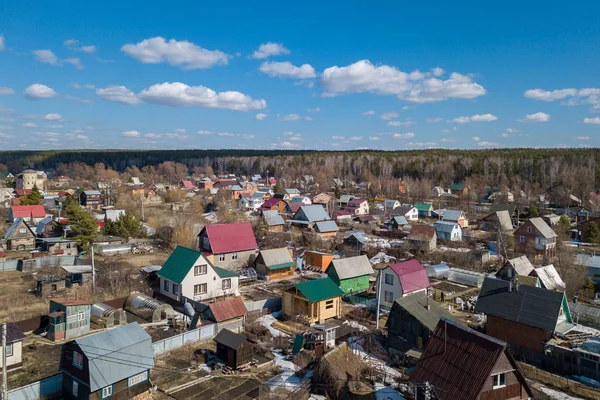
[[398, 222], [68, 318], [408, 212], [6, 196], [205, 184], [322, 198], [19, 236], [31, 214], [498, 221], [523, 316], [438, 191], [344, 200], [91, 199], [313, 301], [228, 245], [448, 231], [290, 193], [275, 204], [250, 203], [365, 219], [14, 347], [425, 209], [549, 278], [459, 189], [115, 363], [456, 216], [355, 243], [273, 221], [58, 246], [351, 274], [583, 229], [401, 279], [275, 264], [189, 274], [390, 204], [536, 237], [357, 206], [411, 323], [29, 179], [316, 260], [307, 216], [515, 266], [326, 229], [304, 200], [229, 313], [461, 363], [422, 237], [233, 349], [6, 178]]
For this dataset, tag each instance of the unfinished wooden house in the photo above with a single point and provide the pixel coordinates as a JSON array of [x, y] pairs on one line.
[[275, 263], [233, 349], [313, 301]]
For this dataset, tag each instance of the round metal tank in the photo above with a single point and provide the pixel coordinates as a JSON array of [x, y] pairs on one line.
[[148, 308], [105, 315]]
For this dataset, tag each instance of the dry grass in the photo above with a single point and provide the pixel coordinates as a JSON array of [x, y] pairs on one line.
[[558, 382], [17, 301]]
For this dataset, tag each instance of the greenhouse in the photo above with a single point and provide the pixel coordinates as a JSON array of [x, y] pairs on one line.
[[106, 316], [465, 277], [148, 308], [439, 271]]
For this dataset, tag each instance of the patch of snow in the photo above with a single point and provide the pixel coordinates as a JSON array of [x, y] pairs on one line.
[[355, 325], [288, 379], [381, 257], [390, 373], [383, 392], [556, 395], [586, 329], [267, 321], [205, 368], [457, 250]]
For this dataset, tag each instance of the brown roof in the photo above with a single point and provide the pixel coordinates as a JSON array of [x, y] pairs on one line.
[[13, 333], [70, 302], [457, 361], [421, 231], [56, 314], [228, 309]]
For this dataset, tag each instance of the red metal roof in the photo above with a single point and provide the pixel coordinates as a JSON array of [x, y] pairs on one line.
[[35, 211], [22, 192], [15, 201], [412, 275], [70, 302], [56, 314], [228, 309], [3, 254], [294, 207], [270, 203], [229, 238], [187, 184]]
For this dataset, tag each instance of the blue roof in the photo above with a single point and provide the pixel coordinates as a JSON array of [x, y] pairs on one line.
[[444, 226], [236, 187], [272, 218], [92, 192], [42, 225], [13, 228], [452, 215], [292, 191], [313, 213], [327, 226]]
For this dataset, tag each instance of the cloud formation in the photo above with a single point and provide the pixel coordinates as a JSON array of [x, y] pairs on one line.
[[39, 91], [287, 70], [73, 44], [269, 49], [5, 91], [475, 118], [536, 117]]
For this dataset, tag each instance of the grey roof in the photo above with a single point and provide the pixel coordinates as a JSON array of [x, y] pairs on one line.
[[445, 226], [401, 210], [400, 220], [345, 198], [525, 304], [549, 277], [42, 225], [272, 218], [352, 267], [292, 191], [13, 228], [327, 226], [543, 228], [587, 260], [298, 199], [521, 265], [416, 304], [117, 354], [230, 339], [13, 333], [452, 215], [314, 213], [92, 192], [77, 269], [279, 256], [57, 240], [236, 187], [358, 235], [151, 268], [504, 221], [583, 309]]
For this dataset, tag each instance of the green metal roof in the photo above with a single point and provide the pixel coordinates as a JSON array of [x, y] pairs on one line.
[[458, 186], [225, 273], [423, 206], [179, 263], [281, 266], [319, 289]]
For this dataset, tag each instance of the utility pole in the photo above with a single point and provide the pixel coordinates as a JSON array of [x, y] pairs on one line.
[[378, 299], [93, 271], [4, 368]]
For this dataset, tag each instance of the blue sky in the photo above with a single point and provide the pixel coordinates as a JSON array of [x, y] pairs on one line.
[[309, 75]]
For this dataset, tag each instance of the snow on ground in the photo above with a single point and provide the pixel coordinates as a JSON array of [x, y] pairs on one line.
[[288, 378], [355, 325], [457, 250], [211, 216], [267, 321], [383, 243], [556, 395], [586, 329], [390, 373], [381, 257], [383, 392]]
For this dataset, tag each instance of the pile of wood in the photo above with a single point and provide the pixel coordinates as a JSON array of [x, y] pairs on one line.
[[573, 340], [289, 327]]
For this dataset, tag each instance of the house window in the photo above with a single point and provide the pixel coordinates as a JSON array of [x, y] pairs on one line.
[[522, 239], [200, 289], [9, 350], [107, 391], [234, 256], [388, 297], [78, 360], [389, 279], [329, 304], [75, 388], [221, 257], [174, 289], [139, 378], [22, 230], [166, 286], [499, 381], [199, 269], [81, 316], [226, 284], [528, 229]]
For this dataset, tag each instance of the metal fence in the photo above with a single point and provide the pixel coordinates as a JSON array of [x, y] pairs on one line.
[[10, 265], [273, 304], [174, 342], [47, 388], [50, 261]]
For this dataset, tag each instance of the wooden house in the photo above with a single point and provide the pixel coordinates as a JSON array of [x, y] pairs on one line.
[[355, 243], [228, 314], [351, 274], [317, 260], [326, 229], [68, 318], [425, 209], [14, 347], [515, 266], [408, 212], [456, 216], [498, 221], [32, 214], [228, 245], [313, 301], [19, 236], [459, 189], [422, 237], [275, 263], [536, 237], [233, 349], [114, 364], [91, 199], [450, 231], [273, 221]]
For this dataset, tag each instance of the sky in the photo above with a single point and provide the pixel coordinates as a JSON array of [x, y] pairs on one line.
[[326, 75]]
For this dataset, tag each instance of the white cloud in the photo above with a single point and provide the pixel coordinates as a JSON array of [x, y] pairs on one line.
[[434, 120], [363, 76], [119, 94], [596, 108], [475, 118], [313, 110], [370, 112], [183, 54], [355, 138], [178, 94], [180, 130], [52, 117], [288, 133], [46, 57], [5, 91], [408, 135], [74, 61], [595, 120], [29, 125], [204, 132], [571, 96], [487, 144], [285, 144], [437, 71], [389, 115], [291, 117], [39, 91], [131, 134], [476, 138], [537, 117], [583, 138], [270, 49], [287, 70], [338, 137], [261, 116], [240, 135], [400, 123], [2, 43], [373, 137], [73, 44]]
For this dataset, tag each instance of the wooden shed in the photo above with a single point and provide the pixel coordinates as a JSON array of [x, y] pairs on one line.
[[233, 349], [317, 260], [313, 301], [275, 263]]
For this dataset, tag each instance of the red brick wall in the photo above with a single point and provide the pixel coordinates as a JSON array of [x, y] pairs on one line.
[[515, 333]]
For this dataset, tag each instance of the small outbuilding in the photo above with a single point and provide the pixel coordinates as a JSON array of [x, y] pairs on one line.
[[275, 263], [233, 349], [313, 301], [351, 274]]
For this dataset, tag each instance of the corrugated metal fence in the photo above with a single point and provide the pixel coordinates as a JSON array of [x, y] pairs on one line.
[[273, 304], [10, 265], [174, 342], [48, 388]]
